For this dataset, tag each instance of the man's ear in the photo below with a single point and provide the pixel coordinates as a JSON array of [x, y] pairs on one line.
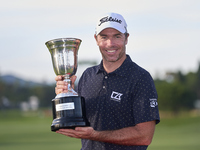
[[127, 37], [95, 36]]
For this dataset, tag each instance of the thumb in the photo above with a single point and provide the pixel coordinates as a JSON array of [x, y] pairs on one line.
[[73, 79]]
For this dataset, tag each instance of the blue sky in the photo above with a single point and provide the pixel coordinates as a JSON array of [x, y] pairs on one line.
[[164, 35]]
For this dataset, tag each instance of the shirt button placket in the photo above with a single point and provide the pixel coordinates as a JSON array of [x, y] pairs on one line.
[[104, 87]]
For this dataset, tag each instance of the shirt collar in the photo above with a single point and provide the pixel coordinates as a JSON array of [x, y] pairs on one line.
[[118, 71]]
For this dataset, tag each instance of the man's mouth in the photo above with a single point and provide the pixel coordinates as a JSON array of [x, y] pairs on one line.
[[110, 51]]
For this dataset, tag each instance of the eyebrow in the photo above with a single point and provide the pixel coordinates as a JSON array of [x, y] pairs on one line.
[[114, 34]]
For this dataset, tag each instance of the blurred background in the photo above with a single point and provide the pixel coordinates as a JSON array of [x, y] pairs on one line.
[[164, 39]]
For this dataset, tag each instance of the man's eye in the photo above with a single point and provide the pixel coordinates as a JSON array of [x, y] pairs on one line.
[[118, 36]]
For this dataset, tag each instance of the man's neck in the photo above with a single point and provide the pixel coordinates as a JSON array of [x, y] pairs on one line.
[[112, 66]]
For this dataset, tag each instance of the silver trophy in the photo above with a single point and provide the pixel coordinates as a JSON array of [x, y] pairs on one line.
[[68, 108]]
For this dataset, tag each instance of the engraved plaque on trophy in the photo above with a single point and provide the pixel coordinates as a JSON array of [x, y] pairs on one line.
[[68, 108]]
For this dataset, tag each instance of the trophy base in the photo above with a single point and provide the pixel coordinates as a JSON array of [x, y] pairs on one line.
[[68, 113]]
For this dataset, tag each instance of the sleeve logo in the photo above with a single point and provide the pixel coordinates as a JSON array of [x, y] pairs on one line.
[[153, 102]]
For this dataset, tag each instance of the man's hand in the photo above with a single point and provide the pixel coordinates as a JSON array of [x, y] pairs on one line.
[[140, 134], [61, 85], [79, 132]]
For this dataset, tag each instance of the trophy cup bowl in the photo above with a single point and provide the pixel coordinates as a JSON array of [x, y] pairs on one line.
[[68, 108]]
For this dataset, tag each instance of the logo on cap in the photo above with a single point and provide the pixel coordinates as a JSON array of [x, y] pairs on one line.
[[106, 19], [111, 20]]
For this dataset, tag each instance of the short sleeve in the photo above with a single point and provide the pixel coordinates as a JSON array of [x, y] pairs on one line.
[[145, 105]]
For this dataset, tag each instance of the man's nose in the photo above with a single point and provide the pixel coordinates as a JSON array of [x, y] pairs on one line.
[[110, 42]]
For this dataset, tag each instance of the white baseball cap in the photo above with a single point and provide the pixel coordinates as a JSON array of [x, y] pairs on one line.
[[111, 20]]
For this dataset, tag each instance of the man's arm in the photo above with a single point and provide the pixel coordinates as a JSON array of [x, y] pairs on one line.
[[140, 134]]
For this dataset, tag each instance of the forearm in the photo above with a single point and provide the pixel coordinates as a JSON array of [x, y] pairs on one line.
[[136, 135], [140, 134]]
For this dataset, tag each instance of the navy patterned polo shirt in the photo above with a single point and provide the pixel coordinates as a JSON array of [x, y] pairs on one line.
[[117, 100]]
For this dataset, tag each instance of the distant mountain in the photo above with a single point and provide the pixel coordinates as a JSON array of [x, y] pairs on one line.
[[11, 79]]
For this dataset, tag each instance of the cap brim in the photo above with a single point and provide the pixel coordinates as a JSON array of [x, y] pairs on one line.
[[110, 25]]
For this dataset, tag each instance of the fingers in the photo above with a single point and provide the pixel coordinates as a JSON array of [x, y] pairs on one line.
[[68, 132], [61, 78], [61, 85], [79, 132]]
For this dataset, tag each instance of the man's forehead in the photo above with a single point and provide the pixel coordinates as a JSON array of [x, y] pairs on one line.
[[110, 31]]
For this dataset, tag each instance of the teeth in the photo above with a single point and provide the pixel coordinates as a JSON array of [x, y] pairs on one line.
[[110, 51]]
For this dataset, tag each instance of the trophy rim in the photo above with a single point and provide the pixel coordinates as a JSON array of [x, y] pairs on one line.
[[63, 39]]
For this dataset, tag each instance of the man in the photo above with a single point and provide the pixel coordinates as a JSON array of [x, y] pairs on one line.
[[120, 96]]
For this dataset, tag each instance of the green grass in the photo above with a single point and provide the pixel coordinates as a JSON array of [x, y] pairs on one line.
[[179, 133], [32, 131]]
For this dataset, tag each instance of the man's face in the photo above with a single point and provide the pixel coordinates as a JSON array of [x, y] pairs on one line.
[[112, 45]]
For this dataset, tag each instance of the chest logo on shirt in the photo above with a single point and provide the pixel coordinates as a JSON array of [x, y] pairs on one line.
[[116, 96]]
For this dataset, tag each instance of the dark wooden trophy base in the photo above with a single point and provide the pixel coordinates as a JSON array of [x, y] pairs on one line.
[[68, 113]]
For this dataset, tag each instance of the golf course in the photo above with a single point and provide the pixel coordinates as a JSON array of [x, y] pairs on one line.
[[31, 131]]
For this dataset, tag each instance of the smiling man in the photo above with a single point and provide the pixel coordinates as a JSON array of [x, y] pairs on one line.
[[112, 43], [118, 95]]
